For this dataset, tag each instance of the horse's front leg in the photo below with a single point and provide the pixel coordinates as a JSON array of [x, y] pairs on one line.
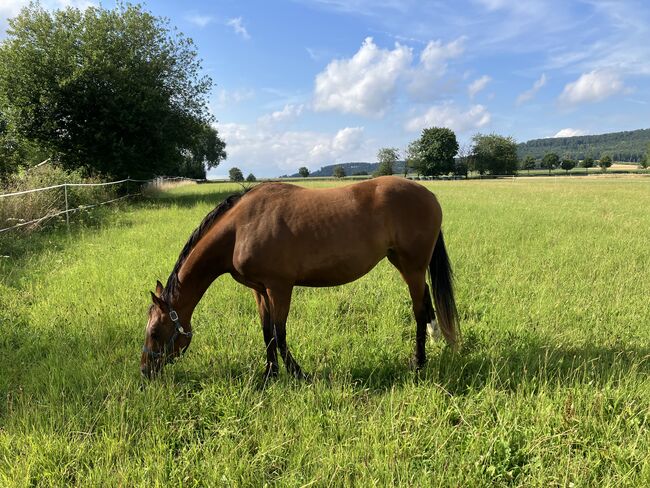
[[272, 367], [280, 301]]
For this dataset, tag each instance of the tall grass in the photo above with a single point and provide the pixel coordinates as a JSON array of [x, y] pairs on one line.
[[550, 387]]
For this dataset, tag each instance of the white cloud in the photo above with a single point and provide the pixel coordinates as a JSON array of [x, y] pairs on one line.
[[290, 111], [262, 149], [529, 94], [449, 115], [364, 84], [11, 8], [592, 87], [436, 54], [198, 19], [478, 85], [233, 97], [238, 26], [569, 132]]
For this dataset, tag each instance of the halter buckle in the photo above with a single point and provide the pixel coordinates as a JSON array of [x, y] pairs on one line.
[[173, 315]]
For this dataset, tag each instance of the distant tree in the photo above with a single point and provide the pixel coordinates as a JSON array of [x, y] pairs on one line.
[[495, 154], [387, 157], [568, 164], [462, 162], [412, 159], [437, 147], [251, 178], [235, 174], [605, 162], [644, 163], [339, 171], [303, 171], [550, 161], [528, 163], [116, 92], [587, 162]]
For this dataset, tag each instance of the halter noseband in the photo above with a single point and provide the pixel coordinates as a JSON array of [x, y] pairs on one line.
[[169, 345]]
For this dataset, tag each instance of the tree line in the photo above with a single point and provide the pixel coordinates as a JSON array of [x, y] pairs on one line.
[[113, 92], [437, 153]]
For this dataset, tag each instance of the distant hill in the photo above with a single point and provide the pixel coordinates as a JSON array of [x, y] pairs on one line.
[[355, 168], [621, 146]]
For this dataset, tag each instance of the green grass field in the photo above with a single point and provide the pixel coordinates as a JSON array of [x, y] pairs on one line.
[[550, 388]]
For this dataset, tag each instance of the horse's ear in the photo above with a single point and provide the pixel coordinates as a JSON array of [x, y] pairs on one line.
[[159, 288], [158, 301]]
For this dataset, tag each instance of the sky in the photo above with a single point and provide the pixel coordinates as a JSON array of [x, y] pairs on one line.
[[318, 82]]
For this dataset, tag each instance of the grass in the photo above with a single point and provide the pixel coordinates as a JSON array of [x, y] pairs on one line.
[[551, 386]]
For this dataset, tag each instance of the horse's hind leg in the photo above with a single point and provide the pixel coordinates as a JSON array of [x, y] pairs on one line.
[[280, 301], [422, 307], [269, 341]]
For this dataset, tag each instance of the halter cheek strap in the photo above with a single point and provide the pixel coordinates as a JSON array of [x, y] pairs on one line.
[[169, 345]]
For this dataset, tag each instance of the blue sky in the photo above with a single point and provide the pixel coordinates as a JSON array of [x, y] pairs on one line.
[[316, 82]]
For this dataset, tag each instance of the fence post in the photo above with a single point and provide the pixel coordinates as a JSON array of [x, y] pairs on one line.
[[67, 213]]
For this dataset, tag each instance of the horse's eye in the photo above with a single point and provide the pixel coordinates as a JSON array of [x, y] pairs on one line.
[[154, 335]]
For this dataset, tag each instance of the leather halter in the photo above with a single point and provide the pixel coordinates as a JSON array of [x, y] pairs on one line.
[[169, 345]]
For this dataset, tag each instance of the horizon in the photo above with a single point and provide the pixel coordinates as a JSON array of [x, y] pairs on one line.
[[319, 82]]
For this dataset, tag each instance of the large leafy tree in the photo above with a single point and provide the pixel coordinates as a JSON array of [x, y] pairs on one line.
[[436, 149], [494, 154], [117, 92]]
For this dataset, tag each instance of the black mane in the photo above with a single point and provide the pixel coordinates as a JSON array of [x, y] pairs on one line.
[[199, 232]]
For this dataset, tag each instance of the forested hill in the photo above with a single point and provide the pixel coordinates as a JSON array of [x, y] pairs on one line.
[[621, 146], [356, 168]]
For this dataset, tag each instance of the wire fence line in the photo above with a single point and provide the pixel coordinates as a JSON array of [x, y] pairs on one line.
[[155, 182]]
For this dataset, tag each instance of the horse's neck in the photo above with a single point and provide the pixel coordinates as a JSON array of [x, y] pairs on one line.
[[210, 258]]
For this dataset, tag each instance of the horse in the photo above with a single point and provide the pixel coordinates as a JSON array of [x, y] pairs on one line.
[[276, 236]]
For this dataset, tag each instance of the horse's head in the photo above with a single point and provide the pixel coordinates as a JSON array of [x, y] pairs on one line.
[[165, 338]]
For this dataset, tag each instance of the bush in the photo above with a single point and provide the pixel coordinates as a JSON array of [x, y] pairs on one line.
[[32, 206]]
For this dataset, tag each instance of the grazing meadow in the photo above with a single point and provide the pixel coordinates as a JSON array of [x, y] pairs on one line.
[[550, 387]]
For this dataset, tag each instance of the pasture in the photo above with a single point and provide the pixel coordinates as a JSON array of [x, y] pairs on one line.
[[550, 387]]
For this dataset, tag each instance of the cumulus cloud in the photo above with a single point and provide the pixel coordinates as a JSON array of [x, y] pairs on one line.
[[478, 85], [237, 25], [449, 115], [569, 132], [529, 94], [364, 84], [592, 87], [258, 147], [436, 54], [290, 111]]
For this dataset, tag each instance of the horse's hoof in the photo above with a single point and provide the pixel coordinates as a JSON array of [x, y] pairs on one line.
[[417, 364], [271, 372]]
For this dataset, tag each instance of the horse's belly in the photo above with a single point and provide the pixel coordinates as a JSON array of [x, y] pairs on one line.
[[336, 272]]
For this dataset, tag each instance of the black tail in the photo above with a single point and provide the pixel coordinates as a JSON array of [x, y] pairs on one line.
[[441, 277]]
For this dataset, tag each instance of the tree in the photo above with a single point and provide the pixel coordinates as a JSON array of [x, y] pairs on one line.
[[528, 163], [645, 161], [436, 149], [251, 178], [412, 160], [387, 157], [550, 161], [116, 92], [494, 153], [605, 162], [303, 171], [235, 174], [339, 171], [568, 164], [463, 161], [587, 162]]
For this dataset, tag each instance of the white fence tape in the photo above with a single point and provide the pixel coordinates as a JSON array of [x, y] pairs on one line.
[[68, 211]]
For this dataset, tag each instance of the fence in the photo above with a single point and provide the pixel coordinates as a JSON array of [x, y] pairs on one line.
[[65, 189]]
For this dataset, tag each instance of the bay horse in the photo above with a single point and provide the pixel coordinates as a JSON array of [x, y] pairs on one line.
[[276, 236]]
